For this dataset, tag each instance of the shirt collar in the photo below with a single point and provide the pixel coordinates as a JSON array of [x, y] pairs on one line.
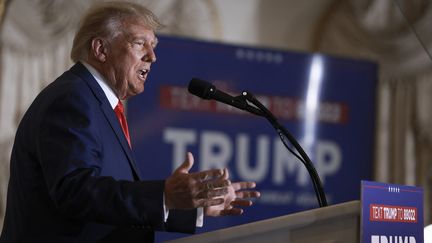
[[109, 93]]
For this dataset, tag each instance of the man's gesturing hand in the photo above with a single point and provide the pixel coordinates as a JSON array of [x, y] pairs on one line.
[[237, 197], [184, 190]]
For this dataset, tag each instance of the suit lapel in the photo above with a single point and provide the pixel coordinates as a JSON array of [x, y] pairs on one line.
[[107, 110], [115, 125]]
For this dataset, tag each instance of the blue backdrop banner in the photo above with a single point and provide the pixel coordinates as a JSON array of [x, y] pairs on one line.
[[328, 104]]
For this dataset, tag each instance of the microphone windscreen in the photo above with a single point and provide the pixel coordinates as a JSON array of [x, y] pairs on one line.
[[201, 88]]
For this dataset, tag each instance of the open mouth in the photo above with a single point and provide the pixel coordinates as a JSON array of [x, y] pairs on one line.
[[143, 73]]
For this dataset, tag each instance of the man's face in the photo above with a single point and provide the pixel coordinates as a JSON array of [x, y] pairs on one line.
[[129, 57]]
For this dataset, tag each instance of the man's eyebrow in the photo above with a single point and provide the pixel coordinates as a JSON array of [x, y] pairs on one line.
[[156, 41]]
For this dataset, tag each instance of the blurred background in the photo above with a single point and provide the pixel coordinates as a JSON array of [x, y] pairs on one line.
[[36, 37]]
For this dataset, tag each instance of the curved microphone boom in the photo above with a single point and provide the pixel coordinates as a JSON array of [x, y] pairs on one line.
[[206, 90]]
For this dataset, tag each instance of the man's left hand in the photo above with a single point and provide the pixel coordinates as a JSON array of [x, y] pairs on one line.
[[238, 196]]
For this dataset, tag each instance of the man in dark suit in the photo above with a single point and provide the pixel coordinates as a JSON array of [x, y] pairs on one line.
[[73, 174]]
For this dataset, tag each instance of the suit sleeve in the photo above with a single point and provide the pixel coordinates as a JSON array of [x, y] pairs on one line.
[[182, 221], [70, 155]]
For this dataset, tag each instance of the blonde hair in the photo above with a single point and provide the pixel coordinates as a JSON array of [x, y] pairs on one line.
[[106, 20]]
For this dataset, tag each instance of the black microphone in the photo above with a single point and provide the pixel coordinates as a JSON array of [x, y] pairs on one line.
[[208, 91]]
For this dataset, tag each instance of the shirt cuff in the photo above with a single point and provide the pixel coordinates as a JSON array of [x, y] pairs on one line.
[[166, 211], [200, 217]]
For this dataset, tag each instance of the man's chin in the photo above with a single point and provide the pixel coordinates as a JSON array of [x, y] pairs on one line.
[[135, 92]]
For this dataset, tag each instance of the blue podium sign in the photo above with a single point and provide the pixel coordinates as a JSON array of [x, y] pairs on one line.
[[328, 104], [391, 213]]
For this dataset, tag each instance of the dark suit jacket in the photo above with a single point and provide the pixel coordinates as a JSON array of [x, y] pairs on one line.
[[73, 176]]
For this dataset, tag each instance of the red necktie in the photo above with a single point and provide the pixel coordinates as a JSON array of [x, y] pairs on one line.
[[119, 110]]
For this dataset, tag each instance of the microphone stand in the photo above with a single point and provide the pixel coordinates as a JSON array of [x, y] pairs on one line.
[[284, 133]]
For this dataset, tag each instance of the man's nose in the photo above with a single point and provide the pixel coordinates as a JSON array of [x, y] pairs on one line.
[[150, 56]]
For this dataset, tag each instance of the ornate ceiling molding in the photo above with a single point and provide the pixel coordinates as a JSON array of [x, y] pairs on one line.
[[378, 31]]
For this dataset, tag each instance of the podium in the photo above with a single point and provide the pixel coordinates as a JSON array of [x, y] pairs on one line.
[[332, 224]]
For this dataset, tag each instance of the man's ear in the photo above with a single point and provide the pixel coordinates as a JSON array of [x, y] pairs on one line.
[[99, 49]]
